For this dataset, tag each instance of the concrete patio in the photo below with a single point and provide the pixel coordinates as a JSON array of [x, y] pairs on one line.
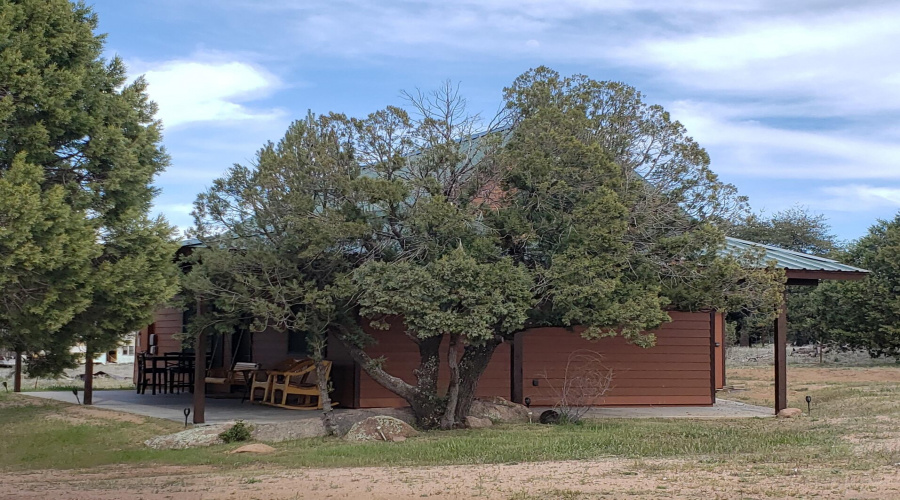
[[171, 407]]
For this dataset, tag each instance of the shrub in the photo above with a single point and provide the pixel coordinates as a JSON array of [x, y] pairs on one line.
[[238, 432]]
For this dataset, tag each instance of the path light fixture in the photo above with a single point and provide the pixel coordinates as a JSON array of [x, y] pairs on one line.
[[5, 386], [75, 392], [527, 402], [808, 405], [187, 412]]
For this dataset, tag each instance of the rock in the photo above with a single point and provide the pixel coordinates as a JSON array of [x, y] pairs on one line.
[[498, 409], [205, 435], [344, 421], [549, 417], [478, 422], [380, 428], [790, 413], [284, 431], [398, 439], [253, 448]]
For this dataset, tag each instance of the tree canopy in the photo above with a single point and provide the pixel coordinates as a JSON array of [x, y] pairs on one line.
[[472, 230], [92, 133], [864, 314]]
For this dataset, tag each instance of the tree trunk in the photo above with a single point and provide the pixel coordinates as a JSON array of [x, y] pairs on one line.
[[745, 337], [426, 405], [88, 398], [17, 378], [325, 398], [472, 365], [448, 420]]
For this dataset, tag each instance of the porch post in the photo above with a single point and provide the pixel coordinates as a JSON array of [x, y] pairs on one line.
[[200, 373], [781, 358]]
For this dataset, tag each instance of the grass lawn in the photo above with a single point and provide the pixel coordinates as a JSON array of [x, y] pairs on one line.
[[854, 409]]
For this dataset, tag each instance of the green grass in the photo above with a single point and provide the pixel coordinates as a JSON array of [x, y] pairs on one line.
[[31, 438]]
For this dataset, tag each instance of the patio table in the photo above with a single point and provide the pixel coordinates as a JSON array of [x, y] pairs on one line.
[[158, 368]]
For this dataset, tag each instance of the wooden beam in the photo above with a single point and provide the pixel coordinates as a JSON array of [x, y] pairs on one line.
[[781, 359], [806, 274], [516, 387], [802, 282]]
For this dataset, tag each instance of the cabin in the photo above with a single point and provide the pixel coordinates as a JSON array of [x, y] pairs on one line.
[[684, 368]]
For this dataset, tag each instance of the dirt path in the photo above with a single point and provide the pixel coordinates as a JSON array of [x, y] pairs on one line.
[[614, 478]]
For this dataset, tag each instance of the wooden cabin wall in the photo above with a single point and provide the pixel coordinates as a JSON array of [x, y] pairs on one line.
[[269, 347], [167, 325], [677, 371]]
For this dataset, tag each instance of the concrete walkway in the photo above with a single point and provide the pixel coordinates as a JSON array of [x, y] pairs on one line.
[[171, 407]]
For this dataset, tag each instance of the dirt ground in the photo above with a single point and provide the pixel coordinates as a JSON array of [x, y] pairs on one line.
[[611, 478]]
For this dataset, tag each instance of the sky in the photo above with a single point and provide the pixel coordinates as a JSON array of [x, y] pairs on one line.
[[796, 102]]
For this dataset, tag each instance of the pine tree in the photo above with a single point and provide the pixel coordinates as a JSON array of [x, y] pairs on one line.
[[45, 252], [74, 114]]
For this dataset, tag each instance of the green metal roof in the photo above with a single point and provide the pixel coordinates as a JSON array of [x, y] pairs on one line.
[[788, 259]]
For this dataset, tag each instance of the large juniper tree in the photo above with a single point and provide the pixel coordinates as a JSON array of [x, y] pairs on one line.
[[67, 110], [543, 219]]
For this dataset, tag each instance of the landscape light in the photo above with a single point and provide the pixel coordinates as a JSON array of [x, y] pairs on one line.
[[187, 411], [808, 405]]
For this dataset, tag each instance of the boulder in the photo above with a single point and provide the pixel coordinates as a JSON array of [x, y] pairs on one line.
[[345, 420], [478, 422], [498, 409], [205, 435], [253, 448], [380, 428], [285, 431], [790, 413]]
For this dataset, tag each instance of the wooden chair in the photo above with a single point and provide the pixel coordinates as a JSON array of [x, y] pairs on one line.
[[239, 374], [302, 383], [264, 379]]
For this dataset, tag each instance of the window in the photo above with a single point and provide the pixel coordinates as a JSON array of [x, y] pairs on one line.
[[297, 343], [128, 350]]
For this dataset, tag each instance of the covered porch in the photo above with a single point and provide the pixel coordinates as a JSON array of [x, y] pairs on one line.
[[801, 270]]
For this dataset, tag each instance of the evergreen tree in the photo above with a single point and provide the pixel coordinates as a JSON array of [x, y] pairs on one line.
[[45, 252], [470, 236], [864, 314], [74, 115]]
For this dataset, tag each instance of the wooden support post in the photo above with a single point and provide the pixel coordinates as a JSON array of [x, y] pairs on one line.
[[781, 359], [516, 385], [17, 378], [200, 373], [88, 397]]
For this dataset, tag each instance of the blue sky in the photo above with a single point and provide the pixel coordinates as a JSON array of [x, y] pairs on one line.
[[796, 102]]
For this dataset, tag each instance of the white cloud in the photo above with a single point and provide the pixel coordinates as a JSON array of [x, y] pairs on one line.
[[859, 198], [749, 148], [197, 91]]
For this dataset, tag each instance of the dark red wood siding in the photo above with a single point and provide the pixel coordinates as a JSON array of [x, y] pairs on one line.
[[167, 325], [401, 357], [677, 371]]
